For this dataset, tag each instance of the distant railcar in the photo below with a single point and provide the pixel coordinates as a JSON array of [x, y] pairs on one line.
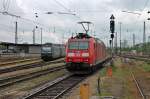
[[84, 53], [52, 51]]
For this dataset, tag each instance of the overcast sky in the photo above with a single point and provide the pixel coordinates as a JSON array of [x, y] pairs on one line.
[[96, 11]]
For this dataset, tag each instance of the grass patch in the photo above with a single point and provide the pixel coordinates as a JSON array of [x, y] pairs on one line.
[[120, 78], [114, 68], [103, 72], [146, 66], [106, 94]]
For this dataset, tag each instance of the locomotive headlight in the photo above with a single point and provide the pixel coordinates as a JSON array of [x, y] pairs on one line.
[[85, 54], [70, 54]]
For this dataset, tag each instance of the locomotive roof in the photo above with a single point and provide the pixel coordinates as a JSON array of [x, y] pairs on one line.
[[84, 37], [81, 36], [78, 39], [53, 44]]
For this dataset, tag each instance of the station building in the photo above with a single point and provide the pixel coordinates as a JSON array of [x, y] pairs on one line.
[[7, 48]]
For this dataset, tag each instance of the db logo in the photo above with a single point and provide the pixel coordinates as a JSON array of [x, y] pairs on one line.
[[77, 53]]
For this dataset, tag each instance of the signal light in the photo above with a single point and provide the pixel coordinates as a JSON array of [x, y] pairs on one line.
[[112, 26], [112, 36]]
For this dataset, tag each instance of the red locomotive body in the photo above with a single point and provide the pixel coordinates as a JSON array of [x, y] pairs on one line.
[[84, 52]]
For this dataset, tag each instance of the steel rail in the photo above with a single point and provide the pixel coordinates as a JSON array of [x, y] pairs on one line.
[[56, 88], [18, 61], [138, 86], [16, 79], [27, 66]]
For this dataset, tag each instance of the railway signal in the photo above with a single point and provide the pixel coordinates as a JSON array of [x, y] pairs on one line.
[[112, 30], [112, 35], [112, 24]]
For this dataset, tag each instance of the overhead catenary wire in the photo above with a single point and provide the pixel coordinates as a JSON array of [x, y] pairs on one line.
[[63, 6], [146, 2], [67, 9], [22, 18], [26, 20], [18, 17], [12, 27], [6, 4], [139, 13]]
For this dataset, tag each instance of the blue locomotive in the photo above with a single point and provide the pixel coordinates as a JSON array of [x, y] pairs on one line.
[[52, 51]]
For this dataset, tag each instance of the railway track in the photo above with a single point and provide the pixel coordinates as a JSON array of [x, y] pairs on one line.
[[138, 85], [19, 78], [19, 61], [55, 89], [28, 66], [137, 58], [3, 59]]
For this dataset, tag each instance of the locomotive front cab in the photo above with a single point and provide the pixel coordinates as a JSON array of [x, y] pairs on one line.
[[78, 55], [78, 51], [46, 52]]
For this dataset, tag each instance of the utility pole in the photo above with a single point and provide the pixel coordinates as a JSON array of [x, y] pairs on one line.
[[116, 43], [144, 38], [33, 36], [120, 36], [133, 40], [16, 32], [144, 35], [34, 30], [41, 36]]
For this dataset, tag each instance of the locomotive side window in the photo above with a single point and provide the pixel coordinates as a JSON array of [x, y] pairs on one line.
[[78, 45]]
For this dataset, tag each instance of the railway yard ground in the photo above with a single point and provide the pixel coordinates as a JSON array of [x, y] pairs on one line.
[[74, 49], [120, 83], [125, 79], [17, 82]]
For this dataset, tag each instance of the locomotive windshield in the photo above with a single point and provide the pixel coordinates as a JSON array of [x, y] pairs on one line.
[[46, 49], [78, 45]]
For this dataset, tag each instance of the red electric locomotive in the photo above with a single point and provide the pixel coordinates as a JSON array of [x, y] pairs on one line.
[[84, 53]]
